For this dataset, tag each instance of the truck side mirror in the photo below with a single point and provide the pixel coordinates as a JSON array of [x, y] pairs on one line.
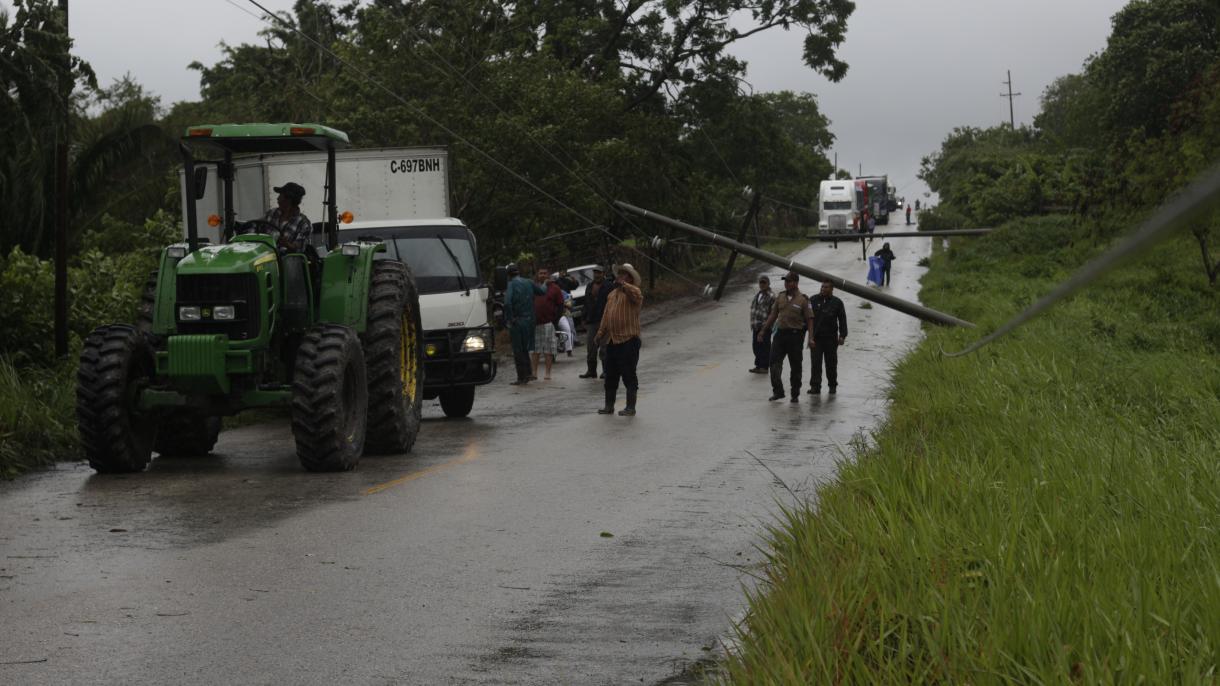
[[499, 278], [201, 181]]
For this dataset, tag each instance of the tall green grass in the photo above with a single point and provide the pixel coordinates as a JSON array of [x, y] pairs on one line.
[[1044, 511], [37, 420]]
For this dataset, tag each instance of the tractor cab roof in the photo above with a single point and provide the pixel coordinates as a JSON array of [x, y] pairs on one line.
[[260, 138]]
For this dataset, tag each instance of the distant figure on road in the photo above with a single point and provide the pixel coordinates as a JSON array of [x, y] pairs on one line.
[[548, 307], [793, 318], [620, 333], [519, 315], [887, 256], [872, 224], [595, 302], [916, 205], [908, 214], [760, 307], [829, 331]]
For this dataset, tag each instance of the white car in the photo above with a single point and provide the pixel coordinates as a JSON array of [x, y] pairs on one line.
[[583, 276]]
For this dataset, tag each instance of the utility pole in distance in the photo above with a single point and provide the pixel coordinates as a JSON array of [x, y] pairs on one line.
[[61, 193], [1012, 120]]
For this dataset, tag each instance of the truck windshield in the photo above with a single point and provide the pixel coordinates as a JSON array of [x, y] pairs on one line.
[[431, 265], [837, 205]]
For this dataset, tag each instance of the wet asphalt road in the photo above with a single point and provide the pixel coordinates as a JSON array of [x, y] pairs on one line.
[[532, 543]]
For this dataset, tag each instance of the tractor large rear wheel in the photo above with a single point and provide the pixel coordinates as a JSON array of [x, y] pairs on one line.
[[184, 433], [330, 400], [395, 359], [116, 363]]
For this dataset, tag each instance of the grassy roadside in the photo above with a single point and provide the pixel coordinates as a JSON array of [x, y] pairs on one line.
[[1044, 511], [37, 416]]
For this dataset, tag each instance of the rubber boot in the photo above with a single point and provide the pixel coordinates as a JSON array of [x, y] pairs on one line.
[[609, 408], [629, 411]]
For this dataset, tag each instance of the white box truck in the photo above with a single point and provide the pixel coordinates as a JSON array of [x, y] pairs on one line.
[[836, 206], [399, 196]]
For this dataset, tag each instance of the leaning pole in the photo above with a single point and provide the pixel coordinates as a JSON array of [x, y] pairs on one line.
[[845, 237], [906, 307]]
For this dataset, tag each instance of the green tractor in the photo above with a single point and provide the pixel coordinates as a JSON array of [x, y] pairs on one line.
[[245, 324]]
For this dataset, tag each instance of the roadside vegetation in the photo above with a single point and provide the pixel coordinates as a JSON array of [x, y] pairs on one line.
[[1044, 510]]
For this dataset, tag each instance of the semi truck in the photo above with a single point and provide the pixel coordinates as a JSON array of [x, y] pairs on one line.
[[873, 195], [836, 206], [400, 198]]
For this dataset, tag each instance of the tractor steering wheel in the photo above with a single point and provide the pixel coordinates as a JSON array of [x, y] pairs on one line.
[[255, 226]]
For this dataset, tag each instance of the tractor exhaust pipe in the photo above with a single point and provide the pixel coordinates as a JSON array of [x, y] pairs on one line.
[[927, 314]]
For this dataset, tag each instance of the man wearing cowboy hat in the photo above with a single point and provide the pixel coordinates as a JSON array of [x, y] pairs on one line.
[[619, 331], [294, 227]]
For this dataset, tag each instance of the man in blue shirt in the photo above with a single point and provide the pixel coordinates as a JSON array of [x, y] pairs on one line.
[[519, 315]]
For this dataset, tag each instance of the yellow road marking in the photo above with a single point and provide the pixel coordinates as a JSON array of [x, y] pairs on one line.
[[472, 454], [708, 367]]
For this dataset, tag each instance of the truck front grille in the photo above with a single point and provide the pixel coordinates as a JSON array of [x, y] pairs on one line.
[[210, 290], [836, 222]]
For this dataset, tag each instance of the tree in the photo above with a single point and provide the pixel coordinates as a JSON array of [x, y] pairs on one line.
[[1156, 51], [32, 48]]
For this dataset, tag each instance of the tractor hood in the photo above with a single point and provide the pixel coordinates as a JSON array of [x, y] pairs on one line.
[[243, 255]]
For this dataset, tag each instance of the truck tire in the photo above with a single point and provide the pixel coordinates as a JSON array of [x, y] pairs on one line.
[[395, 359], [184, 433], [329, 399], [115, 364], [457, 402]]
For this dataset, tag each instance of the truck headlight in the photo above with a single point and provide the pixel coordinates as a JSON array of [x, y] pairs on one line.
[[188, 313], [474, 344], [225, 312]]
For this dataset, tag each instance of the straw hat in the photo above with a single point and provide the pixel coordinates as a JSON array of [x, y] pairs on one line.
[[626, 267]]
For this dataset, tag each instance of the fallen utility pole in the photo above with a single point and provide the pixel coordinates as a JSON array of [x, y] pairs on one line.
[[901, 234], [927, 314]]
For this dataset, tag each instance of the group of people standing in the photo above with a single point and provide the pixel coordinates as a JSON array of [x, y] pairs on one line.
[[781, 323], [612, 322]]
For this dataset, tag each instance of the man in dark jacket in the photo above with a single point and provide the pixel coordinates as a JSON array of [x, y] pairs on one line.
[[596, 307], [887, 257], [595, 303], [829, 332]]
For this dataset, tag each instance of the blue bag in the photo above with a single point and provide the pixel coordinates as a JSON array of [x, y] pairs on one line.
[[876, 270]]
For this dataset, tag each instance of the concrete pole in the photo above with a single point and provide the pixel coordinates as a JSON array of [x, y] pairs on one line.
[[868, 293]]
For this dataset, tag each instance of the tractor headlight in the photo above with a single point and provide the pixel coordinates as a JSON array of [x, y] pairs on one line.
[[474, 343], [225, 312], [351, 249], [176, 252], [188, 313]]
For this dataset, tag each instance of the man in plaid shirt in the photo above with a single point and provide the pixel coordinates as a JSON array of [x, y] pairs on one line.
[[760, 308], [294, 227]]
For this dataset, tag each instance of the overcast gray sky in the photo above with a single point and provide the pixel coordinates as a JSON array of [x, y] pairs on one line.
[[918, 68]]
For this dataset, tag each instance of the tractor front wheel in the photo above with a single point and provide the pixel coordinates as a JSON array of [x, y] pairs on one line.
[[184, 433], [395, 359], [329, 399], [116, 363]]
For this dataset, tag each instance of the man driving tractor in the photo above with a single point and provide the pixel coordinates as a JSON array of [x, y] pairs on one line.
[[294, 227]]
